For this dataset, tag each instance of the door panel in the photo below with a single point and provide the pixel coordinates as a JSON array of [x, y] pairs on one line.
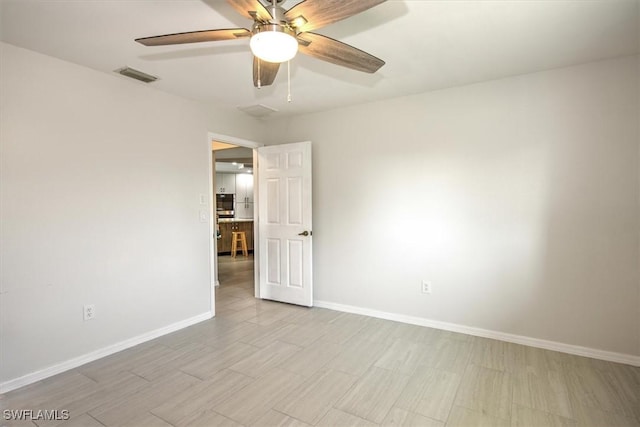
[[296, 260], [294, 197], [284, 186], [273, 204], [273, 262]]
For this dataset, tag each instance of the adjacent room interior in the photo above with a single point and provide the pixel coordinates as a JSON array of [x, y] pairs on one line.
[[233, 192]]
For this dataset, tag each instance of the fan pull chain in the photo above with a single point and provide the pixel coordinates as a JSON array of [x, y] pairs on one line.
[[288, 81], [259, 80]]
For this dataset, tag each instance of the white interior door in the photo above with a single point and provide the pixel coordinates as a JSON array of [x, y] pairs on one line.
[[284, 217]]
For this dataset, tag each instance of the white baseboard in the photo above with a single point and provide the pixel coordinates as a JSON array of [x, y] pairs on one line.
[[94, 355], [610, 356]]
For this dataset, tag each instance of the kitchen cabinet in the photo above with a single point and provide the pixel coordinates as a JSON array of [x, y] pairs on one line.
[[224, 242], [243, 210], [244, 196], [226, 228], [244, 188], [225, 183]]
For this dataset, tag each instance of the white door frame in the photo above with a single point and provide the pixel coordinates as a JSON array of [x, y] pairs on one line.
[[213, 251]]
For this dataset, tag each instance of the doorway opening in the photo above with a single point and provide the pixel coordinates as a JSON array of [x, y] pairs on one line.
[[234, 211]]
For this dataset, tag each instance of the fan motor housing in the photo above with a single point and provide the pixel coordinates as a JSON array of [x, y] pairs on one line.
[[259, 28], [277, 14], [278, 22]]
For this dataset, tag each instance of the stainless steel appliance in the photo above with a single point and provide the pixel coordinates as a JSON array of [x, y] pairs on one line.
[[224, 205]]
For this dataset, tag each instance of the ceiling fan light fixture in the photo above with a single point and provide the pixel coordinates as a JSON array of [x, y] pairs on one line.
[[277, 34], [273, 43]]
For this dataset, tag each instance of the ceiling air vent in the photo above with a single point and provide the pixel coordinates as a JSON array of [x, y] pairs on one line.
[[136, 74], [258, 110]]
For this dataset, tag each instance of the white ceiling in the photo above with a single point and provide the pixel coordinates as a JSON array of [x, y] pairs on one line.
[[427, 45]]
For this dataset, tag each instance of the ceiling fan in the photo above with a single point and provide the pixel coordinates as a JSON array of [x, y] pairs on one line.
[[277, 34]]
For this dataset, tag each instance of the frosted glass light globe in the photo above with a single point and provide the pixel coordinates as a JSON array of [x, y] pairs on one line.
[[274, 46]]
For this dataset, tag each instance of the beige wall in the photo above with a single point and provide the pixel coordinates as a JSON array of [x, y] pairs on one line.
[[517, 198], [100, 186]]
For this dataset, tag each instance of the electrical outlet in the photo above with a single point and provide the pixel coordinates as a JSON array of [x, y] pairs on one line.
[[426, 287], [89, 312], [203, 216]]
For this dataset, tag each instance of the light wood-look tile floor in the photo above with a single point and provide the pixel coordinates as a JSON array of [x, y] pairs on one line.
[[261, 363]]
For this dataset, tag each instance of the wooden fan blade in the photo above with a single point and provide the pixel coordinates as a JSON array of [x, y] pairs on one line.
[[328, 49], [251, 9], [318, 13], [195, 37], [267, 73]]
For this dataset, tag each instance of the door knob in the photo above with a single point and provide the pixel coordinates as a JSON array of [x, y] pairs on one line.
[[305, 233]]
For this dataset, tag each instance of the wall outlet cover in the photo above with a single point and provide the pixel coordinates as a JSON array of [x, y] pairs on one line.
[[89, 312], [426, 287]]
